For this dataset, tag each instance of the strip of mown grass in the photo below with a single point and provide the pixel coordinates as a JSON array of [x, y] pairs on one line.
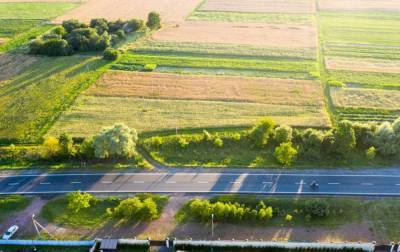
[[383, 214], [96, 216], [12, 204], [32, 101], [11, 27], [222, 50], [303, 68], [367, 79], [361, 51], [34, 10], [274, 18]]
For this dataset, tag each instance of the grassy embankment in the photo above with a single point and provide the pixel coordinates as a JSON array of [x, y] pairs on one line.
[[381, 214], [12, 204]]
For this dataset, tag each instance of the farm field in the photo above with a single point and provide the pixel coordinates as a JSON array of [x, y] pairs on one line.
[[12, 64], [360, 5], [174, 101], [362, 65], [286, 36], [170, 11]]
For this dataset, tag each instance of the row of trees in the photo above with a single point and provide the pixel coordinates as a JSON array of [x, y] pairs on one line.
[[74, 36]]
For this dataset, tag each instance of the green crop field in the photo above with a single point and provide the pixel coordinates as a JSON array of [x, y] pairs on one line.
[[34, 10], [31, 101]]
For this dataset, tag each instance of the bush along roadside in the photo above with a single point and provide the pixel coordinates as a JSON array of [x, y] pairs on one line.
[[268, 145]]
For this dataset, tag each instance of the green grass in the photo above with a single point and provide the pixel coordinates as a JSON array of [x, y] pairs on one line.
[[274, 18], [367, 79], [222, 50], [383, 214], [56, 211], [12, 204], [12, 27], [181, 63], [90, 114], [364, 51], [240, 153], [34, 10], [32, 101], [367, 114]]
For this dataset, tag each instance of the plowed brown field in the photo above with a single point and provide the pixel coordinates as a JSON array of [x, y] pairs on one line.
[[175, 86], [363, 65], [279, 6], [360, 5], [170, 10], [286, 36], [12, 64]]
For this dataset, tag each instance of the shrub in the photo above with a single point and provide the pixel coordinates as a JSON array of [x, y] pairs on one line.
[[385, 140], [67, 148], [317, 208], [128, 209], [311, 143], [100, 24], [364, 133], [149, 67], [335, 83], [120, 33], [134, 25], [236, 136], [262, 131], [78, 201], [288, 218], [153, 21], [285, 154], [314, 74], [50, 47], [50, 148], [111, 54], [370, 153], [70, 25], [218, 142], [183, 143], [345, 137], [283, 134], [118, 141], [59, 30], [207, 136], [396, 127], [86, 150]]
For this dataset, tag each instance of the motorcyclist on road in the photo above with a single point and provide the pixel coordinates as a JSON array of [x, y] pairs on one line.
[[314, 184]]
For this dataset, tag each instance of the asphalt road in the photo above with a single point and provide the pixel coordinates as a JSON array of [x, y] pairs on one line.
[[368, 185]]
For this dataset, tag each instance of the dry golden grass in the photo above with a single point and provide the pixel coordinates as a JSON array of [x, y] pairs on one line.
[[360, 5], [218, 88], [91, 113], [283, 36], [274, 6], [12, 64], [366, 98], [170, 10], [363, 65]]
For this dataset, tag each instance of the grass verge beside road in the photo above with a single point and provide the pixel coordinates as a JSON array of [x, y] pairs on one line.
[[12, 204]]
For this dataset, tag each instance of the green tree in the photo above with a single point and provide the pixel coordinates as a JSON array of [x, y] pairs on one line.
[[283, 134], [111, 54], [385, 140], [50, 148], [129, 209], [311, 143], [285, 154], [118, 141], [66, 146], [370, 153], [149, 210], [78, 201], [316, 208], [345, 137], [262, 131], [153, 21]]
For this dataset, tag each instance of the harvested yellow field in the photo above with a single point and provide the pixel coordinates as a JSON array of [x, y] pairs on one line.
[[284, 36], [366, 98], [12, 64], [363, 65], [171, 11], [261, 6], [92, 113], [216, 88], [360, 5]]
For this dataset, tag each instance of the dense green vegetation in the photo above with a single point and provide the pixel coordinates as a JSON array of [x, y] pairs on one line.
[[31, 101], [373, 80], [274, 18], [12, 204], [325, 212]]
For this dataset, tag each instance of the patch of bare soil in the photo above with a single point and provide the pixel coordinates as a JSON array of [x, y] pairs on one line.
[[360, 5], [171, 11], [262, 6], [12, 64], [23, 219], [202, 87], [363, 65], [284, 36], [349, 232]]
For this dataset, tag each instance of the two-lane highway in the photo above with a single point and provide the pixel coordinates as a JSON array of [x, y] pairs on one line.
[[379, 185]]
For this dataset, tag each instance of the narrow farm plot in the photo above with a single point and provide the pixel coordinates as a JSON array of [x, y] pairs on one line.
[[275, 6], [360, 5], [155, 101], [287, 36], [12, 64], [175, 86], [170, 11], [363, 65], [366, 98], [35, 9]]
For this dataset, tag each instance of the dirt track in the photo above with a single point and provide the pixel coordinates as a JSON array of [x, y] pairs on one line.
[[285, 36], [171, 11], [276, 6]]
